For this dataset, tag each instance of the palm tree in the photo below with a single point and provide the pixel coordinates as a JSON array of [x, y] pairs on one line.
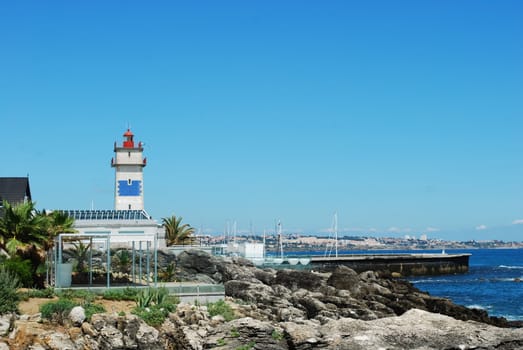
[[27, 233], [80, 253], [58, 222], [22, 228], [175, 232]]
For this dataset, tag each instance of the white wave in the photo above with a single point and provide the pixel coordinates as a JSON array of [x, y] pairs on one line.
[[510, 267], [479, 307], [430, 281]]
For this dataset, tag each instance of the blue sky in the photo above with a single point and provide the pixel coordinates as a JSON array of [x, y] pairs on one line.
[[405, 117]]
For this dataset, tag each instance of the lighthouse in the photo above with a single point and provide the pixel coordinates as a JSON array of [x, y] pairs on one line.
[[128, 163]]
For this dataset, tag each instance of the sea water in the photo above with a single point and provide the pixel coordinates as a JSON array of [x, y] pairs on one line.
[[494, 282]]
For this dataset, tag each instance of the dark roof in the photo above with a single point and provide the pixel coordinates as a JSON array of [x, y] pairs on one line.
[[15, 190]]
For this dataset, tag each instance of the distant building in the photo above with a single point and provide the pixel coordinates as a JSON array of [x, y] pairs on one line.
[[14, 190]]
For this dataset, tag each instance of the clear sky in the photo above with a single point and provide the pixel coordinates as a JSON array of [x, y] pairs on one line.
[[405, 117]]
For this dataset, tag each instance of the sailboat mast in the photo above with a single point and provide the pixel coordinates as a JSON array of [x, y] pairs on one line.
[[280, 238], [336, 233]]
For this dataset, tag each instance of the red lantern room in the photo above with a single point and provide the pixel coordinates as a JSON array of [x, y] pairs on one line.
[[128, 143]]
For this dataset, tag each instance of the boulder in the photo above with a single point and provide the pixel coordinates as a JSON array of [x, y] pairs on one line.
[[343, 277], [196, 261], [77, 315], [251, 292], [294, 279]]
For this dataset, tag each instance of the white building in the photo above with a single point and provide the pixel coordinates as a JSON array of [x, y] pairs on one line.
[[128, 222]]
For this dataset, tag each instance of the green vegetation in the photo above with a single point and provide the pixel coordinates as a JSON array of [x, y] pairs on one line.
[[80, 252], [72, 294], [277, 335], [122, 260], [175, 232], [27, 234], [154, 304], [21, 268], [121, 294], [234, 333], [91, 309], [248, 346], [221, 308], [8, 286], [57, 310], [168, 273], [221, 342], [37, 293]]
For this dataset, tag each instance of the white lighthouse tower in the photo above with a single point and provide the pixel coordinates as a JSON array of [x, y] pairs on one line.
[[128, 163]]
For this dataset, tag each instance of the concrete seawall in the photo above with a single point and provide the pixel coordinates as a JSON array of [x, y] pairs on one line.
[[404, 264]]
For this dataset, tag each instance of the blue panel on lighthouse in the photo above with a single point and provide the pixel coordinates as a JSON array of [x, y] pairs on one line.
[[132, 189]]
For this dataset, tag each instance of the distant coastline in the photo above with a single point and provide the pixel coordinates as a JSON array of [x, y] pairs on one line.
[[300, 243]]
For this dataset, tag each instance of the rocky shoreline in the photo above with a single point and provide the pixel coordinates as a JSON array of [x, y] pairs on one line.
[[288, 310]]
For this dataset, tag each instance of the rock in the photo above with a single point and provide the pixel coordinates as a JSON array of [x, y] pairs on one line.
[[187, 314], [3, 346], [239, 332], [249, 291], [302, 335], [343, 278], [89, 329], [417, 329], [197, 261], [147, 337], [294, 279], [77, 315], [7, 322], [59, 341]]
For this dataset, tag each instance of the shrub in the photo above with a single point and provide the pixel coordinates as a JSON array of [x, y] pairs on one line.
[[122, 260], [154, 304], [168, 274], [91, 309], [77, 294], [57, 311], [234, 333], [8, 297], [248, 346], [121, 294], [153, 316], [37, 293], [277, 335], [221, 308], [23, 269]]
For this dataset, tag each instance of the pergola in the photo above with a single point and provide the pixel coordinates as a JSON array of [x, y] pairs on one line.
[[139, 242]]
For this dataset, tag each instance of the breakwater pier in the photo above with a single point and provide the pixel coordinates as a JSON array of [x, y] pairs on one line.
[[402, 264]]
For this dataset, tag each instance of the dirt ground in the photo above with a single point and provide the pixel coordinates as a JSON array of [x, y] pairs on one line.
[[32, 306]]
